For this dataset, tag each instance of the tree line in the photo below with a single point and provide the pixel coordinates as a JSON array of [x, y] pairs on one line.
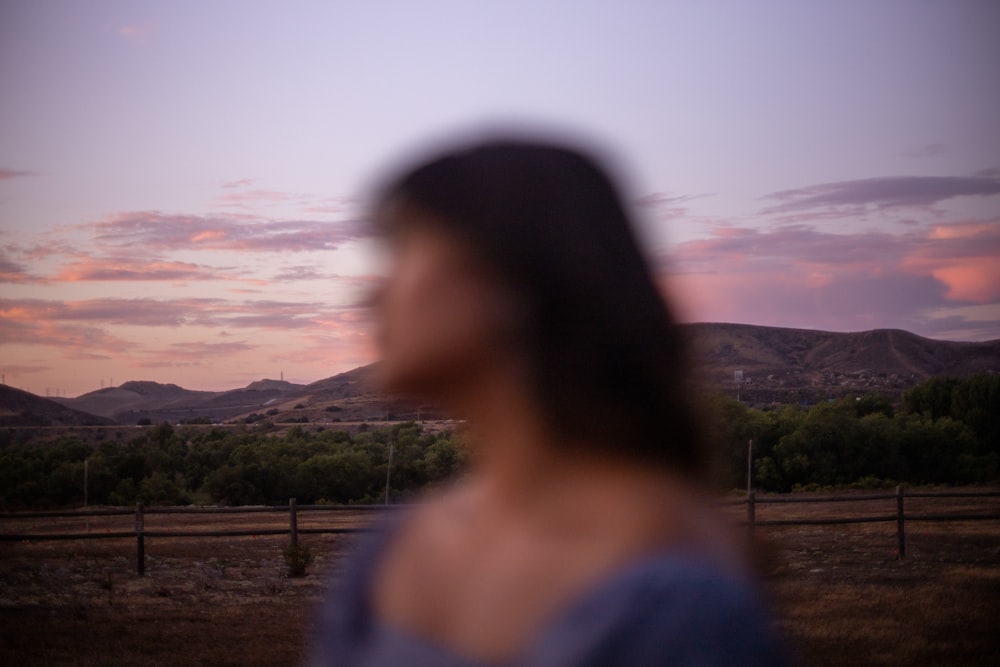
[[168, 466], [945, 431]]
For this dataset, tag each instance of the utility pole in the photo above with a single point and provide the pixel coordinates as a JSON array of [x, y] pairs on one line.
[[749, 463], [388, 469]]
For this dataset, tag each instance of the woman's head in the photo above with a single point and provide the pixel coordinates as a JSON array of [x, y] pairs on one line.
[[510, 250]]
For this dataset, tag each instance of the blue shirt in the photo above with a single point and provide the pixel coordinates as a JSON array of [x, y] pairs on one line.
[[669, 608]]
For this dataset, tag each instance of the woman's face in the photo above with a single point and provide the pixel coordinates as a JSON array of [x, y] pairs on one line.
[[440, 316]]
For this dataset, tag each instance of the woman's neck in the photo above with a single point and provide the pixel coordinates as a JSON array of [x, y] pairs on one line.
[[522, 464]]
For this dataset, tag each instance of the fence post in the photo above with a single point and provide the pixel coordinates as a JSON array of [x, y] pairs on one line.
[[900, 528], [140, 546], [751, 510], [293, 523]]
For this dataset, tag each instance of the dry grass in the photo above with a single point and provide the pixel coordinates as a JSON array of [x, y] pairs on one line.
[[842, 596]]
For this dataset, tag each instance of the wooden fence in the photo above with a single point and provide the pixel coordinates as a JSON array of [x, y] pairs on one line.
[[293, 510]]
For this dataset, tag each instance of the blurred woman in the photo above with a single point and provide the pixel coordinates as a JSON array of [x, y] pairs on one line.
[[581, 534]]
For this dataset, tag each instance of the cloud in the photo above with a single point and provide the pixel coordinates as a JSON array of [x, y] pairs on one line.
[[156, 231], [14, 272], [125, 269], [330, 205], [7, 173], [40, 251], [209, 332], [801, 277], [191, 354], [890, 192], [239, 183], [142, 312], [76, 341], [663, 200], [979, 322], [238, 194], [963, 256], [666, 205], [257, 198], [297, 273], [265, 314]]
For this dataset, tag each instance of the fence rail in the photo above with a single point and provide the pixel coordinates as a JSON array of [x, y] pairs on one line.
[[293, 510]]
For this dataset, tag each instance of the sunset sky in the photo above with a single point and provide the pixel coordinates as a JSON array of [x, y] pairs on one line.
[[182, 184]]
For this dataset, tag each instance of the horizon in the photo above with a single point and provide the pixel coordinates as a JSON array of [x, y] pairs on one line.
[[167, 382], [183, 186]]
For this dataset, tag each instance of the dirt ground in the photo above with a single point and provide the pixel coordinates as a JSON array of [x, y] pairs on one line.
[[840, 594]]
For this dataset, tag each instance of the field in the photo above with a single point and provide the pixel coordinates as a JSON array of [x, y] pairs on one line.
[[841, 595]]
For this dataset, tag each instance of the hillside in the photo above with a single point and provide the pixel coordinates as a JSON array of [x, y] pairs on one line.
[[787, 365], [132, 401], [778, 365], [21, 408]]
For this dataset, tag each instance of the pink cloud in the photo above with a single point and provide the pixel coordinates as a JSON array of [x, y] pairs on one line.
[[329, 205], [800, 277], [162, 232], [262, 314], [238, 183], [318, 336], [121, 269], [74, 340]]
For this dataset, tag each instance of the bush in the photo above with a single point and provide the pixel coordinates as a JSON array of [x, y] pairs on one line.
[[298, 558]]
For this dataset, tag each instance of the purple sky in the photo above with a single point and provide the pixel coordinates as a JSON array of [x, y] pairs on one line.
[[182, 183]]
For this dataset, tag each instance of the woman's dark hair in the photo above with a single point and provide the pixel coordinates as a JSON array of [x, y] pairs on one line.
[[609, 364]]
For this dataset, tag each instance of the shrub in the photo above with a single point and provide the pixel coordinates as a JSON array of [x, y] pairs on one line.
[[298, 558]]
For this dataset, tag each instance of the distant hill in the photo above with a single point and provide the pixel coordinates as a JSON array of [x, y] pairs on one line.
[[790, 365], [132, 401], [21, 408], [778, 365]]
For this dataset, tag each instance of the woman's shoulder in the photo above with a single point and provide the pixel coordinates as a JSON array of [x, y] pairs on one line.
[[667, 608], [672, 607]]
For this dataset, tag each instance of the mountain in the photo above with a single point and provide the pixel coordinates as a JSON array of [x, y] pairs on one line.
[[352, 396], [134, 400], [786, 365], [777, 365], [140, 400], [21, 408]]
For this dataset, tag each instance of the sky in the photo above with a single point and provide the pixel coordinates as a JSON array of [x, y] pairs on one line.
[[183, 184]]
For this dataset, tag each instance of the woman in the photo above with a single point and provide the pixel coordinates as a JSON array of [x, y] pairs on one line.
[[518, 298]]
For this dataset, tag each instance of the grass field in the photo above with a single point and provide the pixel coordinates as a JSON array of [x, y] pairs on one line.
[[840, 593]]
